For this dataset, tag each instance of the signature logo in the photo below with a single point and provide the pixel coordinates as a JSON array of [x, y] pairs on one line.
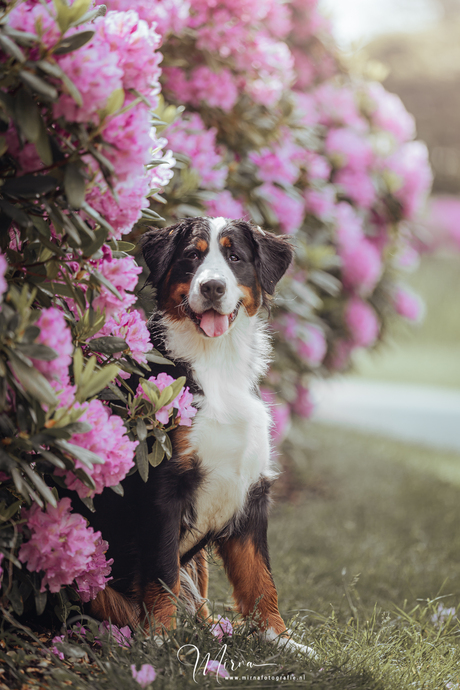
[[225, 665]]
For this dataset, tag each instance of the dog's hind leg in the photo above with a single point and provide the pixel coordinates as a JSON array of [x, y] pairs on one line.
[[114, 606], [194, 585]]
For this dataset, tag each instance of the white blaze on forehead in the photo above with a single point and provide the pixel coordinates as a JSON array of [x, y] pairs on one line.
[[215, 267]]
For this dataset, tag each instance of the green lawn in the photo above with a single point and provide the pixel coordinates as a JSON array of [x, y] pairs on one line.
[[362, 557], [428, 353]]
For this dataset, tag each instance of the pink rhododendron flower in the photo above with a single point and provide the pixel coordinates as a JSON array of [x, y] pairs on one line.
[[349, 226], [122, 273], [109, 441], [321, 202], [341, 354], [168, 15], [337, 106], [408, 304], [54, 649], [95, 576], [145, 675], [135, 43], [132, 328], [312, 345], [216, 89], [389, 113], [411, 165], [3, 270], [60, 544], [348, 148], [221, 627], [216, 667], [357, 185], [318, 168], [303, 404], [190, 137], [121, 635], [225, 206], [55, 334], [289, 210], [279, 163], [279, 414], [26, 155], [361, 266], [38, 19], [182, 402], [362, 322]]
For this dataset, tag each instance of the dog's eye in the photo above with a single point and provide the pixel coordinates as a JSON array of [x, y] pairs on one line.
[[233, 257], [193, 256]]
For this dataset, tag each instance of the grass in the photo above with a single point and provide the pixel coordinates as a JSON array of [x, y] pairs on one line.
[[362, 557], [430, 353]]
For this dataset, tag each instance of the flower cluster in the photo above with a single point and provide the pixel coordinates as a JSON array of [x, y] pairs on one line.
[[181, 404], [63, 547], [108, 440]]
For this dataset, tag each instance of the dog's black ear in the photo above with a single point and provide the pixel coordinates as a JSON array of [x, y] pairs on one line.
[[274, 254], [158, 247]]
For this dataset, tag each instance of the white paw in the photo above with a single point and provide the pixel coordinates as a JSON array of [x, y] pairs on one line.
[[288, 643]]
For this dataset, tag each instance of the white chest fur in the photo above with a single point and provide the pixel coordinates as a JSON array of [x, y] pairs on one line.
[[230, 433]]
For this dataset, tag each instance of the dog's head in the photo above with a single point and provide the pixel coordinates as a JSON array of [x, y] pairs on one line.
[[208, 269]]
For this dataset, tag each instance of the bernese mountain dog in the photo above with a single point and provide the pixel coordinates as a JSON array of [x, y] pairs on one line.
[[213, 276]]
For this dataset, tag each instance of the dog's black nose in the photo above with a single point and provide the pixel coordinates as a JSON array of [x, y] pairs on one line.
[[213, 289]]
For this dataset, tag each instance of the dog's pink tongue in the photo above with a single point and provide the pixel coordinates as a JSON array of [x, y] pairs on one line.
[[213, 323]]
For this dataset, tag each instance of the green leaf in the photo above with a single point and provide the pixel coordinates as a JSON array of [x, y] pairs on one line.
[[52, 458], [6, 513], [66, 14], [15, 598], [141, 429], [151, 392], [167, 446], [10, 47], [39, 484], [29, 186], [157, 454], [74, 185], [87, 457], [157, 357], [142, 460], [119, 245], [148, 214], [40, 602], [73, 42], [37, 351], [98, 218], [27, 115], [118, 489], [103, 281], [98, 381], [15, 213], [108, 344], [39, 85], [32, 381], [100, 11], [114, 103]]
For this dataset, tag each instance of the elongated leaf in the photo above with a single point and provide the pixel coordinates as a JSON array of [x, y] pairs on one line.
[[100, 11], [73, 42], [98, 382], [6, 513], [10, 47], [108, 344], [74, 185], [15, 213], [158, 358], [104, 281], [141, 430], [27, 115], [38, 351], [87, 457], [142, 460], [40, 602], [39, 85], [167, 446], [52, 458], [157, 454], [29, 186], [118, 489], [33, 382], [39, 484]]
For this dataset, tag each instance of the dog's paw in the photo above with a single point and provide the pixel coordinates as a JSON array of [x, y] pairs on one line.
[[286, 642]]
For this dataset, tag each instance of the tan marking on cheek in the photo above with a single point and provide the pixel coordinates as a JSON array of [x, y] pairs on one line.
[[252, 583], [185, 454], [202, 245], [251, 300], [171, 299], [226, 242]]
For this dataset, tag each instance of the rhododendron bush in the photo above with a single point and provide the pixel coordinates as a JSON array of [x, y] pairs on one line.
[[79, 159], [274, 130]]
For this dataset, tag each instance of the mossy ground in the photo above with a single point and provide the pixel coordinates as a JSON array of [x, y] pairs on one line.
[[362, 555]]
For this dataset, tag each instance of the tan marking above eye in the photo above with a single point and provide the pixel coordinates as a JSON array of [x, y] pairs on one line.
[[226, 242], [202, 245]]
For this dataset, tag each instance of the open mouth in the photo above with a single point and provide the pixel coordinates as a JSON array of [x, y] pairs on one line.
[[211, 322]]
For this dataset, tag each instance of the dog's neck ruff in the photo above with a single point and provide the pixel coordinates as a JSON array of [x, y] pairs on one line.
[[234, 361]]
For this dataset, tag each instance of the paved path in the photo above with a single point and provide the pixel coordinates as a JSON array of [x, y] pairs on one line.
[[423, 414]]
